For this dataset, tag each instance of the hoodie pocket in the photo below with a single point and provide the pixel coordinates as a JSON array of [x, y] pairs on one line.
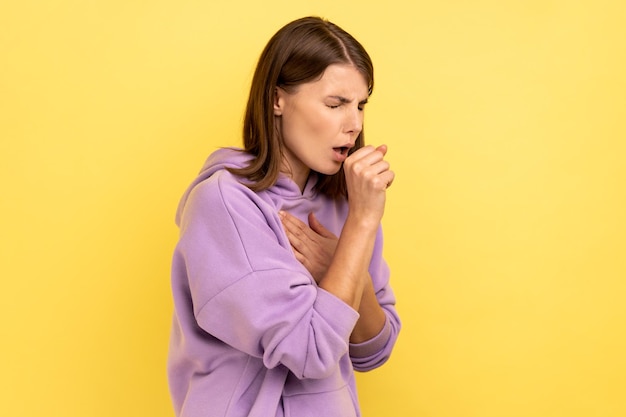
[[336, 403]]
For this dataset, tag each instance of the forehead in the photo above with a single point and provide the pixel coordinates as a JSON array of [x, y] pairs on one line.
[[339, 80]]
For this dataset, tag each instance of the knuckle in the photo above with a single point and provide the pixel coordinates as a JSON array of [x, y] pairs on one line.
[[354, 167], [369, 175], [379, 183]]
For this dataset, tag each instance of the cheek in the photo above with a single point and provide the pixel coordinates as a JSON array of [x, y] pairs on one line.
[[324, 123], [307, 124]]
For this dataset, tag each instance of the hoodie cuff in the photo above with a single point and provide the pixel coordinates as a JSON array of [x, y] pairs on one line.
[[372, 346]]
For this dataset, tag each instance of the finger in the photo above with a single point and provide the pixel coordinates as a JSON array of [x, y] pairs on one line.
[[387, 178], [369, 150], [370, 174], [380, 166], [290, 220], [360, 153], [298, 233], [298, 244], [299, 256], [319, 228], [294, 225], [382, 149], [367, 159]]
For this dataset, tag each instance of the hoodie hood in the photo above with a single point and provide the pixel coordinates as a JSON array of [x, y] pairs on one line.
[[223, 158]]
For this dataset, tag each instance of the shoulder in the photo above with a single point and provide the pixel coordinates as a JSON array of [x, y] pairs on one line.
[[221, 186], [221, 200]]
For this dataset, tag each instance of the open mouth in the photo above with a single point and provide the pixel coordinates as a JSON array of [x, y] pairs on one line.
[[343, 150]]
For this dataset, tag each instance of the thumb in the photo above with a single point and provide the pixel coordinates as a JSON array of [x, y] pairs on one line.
[[318, 228]]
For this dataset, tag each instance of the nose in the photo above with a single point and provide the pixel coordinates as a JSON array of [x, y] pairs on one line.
[[354, 121]]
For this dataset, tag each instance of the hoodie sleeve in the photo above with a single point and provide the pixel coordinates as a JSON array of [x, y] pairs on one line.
[[249, 291], [374, 352]]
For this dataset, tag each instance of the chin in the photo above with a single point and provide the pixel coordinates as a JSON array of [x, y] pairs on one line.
[[328, 170]]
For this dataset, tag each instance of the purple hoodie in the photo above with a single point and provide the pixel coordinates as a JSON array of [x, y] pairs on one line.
[[253, 335]]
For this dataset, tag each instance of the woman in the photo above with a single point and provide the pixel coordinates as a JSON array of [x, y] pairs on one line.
[[273, 315]]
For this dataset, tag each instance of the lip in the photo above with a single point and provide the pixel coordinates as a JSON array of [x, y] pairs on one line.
[[339, 156], [341, 152]]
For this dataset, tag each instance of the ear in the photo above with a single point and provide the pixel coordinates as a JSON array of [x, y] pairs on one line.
[[279, 101]]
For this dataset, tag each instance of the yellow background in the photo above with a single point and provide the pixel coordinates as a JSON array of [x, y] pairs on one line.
[[505, 228]]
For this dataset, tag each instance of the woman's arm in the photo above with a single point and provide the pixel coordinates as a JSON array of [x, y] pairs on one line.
[[367, 178], [314, 246], [340, 266]]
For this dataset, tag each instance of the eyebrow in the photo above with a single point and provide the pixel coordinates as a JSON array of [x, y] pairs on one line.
[[344, 100]]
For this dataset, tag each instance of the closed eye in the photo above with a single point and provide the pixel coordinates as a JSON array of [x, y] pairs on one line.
[[361, 107], [342, 101]]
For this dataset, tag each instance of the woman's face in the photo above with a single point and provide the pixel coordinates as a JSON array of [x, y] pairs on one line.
[[320, 121]]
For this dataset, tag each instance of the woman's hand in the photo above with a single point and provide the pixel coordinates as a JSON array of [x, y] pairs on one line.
[[367, 177], [313, 246], [340, 266]]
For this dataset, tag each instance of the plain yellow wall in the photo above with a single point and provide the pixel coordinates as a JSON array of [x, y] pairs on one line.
[[505, 228]]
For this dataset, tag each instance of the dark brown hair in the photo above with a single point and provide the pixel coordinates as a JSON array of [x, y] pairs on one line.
[[298, 53]]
